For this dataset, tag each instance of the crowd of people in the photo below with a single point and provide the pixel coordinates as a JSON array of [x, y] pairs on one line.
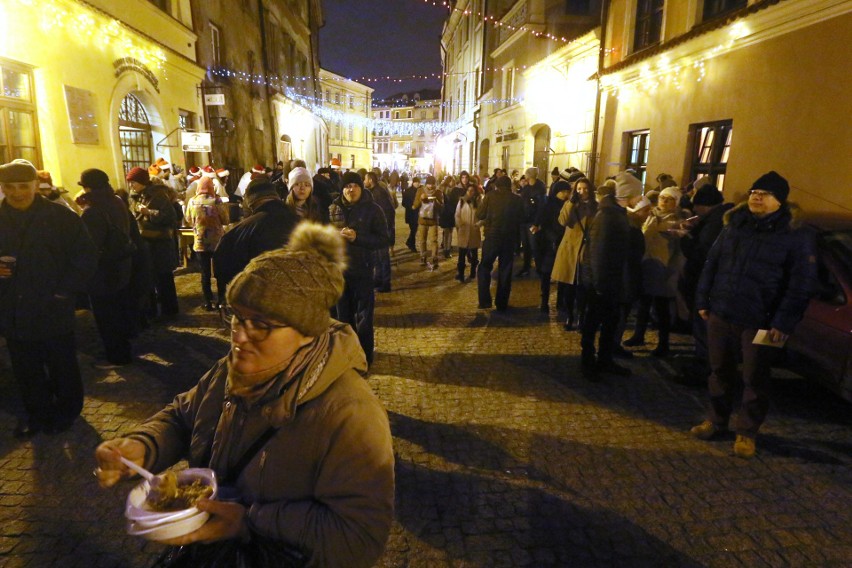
[[298, 260]]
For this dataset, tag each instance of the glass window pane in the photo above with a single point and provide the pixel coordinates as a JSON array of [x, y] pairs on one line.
[[727, 149], [720, 182], [16, 85], [21, 128], [27, 153]]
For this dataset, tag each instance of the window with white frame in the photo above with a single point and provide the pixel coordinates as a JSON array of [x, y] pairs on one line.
[[638, 143], [711, 147], [215, 45], [18, 126]]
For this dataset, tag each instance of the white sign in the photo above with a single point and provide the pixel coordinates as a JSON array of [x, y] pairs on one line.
[[214, 100], [196, 141]]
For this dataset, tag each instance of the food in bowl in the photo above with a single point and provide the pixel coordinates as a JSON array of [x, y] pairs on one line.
[[172, 495]]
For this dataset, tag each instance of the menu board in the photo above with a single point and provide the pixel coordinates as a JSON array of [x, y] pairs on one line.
[[81, 115]]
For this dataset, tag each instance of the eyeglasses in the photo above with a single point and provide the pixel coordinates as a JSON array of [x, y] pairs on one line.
[[256, 330], [760, 193]]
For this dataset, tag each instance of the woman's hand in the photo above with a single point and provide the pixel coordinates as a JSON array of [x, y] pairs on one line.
[[227, 521], [110, 469]]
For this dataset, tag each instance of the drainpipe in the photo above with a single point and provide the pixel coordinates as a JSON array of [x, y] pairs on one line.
[[601, 60], [266, 75]]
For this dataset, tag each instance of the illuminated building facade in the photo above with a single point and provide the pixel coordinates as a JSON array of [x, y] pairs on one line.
[[96, 84], [405, 141], [348, 142]]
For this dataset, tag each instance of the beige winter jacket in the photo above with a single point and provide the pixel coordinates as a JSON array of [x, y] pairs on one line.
[[324, 483]]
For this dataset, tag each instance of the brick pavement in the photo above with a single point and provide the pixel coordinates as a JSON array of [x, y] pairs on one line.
[[505, 455]]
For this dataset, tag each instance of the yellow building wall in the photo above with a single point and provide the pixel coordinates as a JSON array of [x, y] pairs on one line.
[[790, 99], [76, 56]]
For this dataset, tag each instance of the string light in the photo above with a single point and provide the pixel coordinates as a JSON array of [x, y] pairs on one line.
[[497, 23], [379, 126], [89, 27]]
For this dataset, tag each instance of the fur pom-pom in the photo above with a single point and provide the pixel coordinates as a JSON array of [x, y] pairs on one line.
[[324, 240]]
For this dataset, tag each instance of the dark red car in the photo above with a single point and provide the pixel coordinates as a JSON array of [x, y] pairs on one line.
[[822, 344]]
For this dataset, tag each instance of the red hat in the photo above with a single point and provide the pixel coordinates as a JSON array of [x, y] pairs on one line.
[[258, 169], [222, 172], [208, 171], [139, 175]]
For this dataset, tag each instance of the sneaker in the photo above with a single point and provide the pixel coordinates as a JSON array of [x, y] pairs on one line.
[[635, 341], [613, 368], [105, 365], [706, 431], [744, 447]]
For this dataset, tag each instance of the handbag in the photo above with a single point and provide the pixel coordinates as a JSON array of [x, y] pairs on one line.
[[258, 552]]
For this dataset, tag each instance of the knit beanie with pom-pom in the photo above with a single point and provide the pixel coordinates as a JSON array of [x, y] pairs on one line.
[[298, 284]]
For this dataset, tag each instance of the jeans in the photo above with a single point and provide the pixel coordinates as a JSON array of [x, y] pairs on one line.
[[530, 243], [427, 236], [447, 241], [382, 270], [48, 377], [501, 249], [355, 307]]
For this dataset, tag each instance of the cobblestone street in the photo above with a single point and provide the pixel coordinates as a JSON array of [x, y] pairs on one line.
[[506, 456]]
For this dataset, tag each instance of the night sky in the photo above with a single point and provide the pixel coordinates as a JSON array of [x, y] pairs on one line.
[[369, 38]]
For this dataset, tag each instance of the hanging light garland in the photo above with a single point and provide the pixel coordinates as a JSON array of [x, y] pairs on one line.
[[89, 26], [378, 126], [496, 22]]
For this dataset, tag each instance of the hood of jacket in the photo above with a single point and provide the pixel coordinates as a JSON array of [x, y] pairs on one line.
[[789, 215]]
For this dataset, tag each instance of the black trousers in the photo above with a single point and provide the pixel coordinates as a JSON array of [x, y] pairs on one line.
[[112, 313], [472, 256], [165, 293], [205, 262], [355, 307], [48, 377], [601, 313], [411, 241], [500, 249]]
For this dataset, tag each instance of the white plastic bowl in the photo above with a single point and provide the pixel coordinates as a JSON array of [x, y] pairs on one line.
[[137, 510], [168, 530]]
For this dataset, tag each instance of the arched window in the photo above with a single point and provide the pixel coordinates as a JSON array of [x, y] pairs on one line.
[[134, 134]]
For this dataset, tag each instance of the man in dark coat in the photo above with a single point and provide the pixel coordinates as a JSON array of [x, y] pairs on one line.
[[324, 190], [383, 198], [501, 213], [533, 197], [411, 213], [362, 224], [698, 236], [46, 260], [156, 217], [758, 277], [268, 227], [603, 267]]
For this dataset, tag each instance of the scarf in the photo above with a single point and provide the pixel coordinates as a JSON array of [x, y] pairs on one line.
[[253, 387]]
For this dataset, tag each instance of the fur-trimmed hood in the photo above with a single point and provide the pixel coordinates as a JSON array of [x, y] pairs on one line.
[[789, 215]]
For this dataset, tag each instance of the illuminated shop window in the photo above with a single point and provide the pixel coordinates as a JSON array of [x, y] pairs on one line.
[[711, 148], [134, 134], [638, 144], [18, 125]]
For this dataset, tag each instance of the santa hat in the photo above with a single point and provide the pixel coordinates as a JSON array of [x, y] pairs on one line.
[[222, 173], [193, 174], [44, 180], [153, 170], [163, 164], [258, 169], [208, 171]]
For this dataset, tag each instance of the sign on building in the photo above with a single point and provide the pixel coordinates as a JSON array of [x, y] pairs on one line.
[[214, 100], [196, 141]]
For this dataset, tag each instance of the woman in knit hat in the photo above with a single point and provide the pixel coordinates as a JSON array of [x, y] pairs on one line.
[[301, 199], [321, 482], [661, 267], [207, 216]]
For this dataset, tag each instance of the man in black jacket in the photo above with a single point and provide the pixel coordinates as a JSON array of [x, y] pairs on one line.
[[758, 277], [604, 263], [411, 213], [501, 213], [46, 259], [362, 224], [533, 197], [268, 227]]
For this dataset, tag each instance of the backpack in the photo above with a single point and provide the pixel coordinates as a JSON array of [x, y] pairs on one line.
[[116, 246]]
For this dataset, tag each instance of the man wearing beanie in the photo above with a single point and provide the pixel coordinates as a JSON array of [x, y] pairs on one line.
[[320, 484], [604, 265], [46, 260], [411, 212], [697, 238], [267, 228], [759, 275], [362, 225], [152, 207], [501, 213]]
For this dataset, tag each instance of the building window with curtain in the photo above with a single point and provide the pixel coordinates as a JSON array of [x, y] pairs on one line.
[[711, 147], [649, 23], [18, 125], [638, 143]]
